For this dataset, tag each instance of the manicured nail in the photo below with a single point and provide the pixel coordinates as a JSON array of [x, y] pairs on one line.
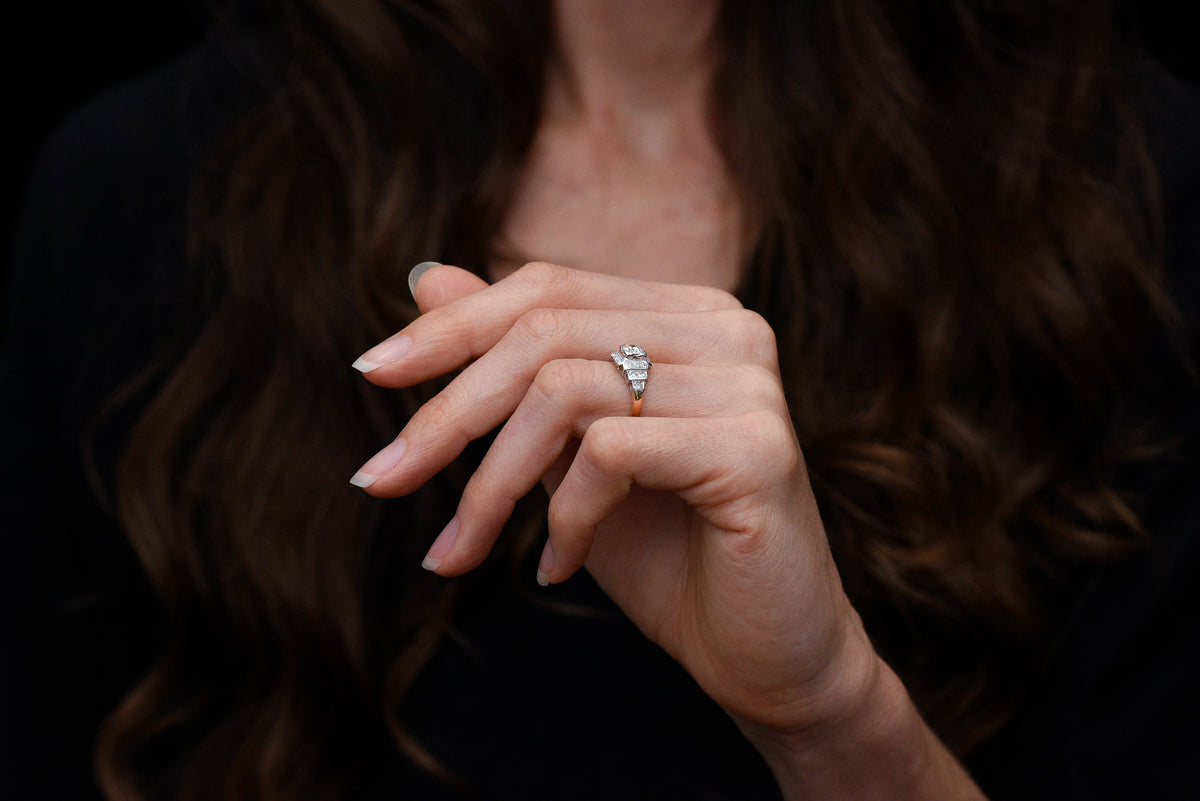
[[414, 275], [361, 479], [442, 545], [387, 351], [545, 565], [379, 464]]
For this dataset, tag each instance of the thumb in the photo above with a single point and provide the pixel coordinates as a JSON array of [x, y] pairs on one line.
[[435, 285]]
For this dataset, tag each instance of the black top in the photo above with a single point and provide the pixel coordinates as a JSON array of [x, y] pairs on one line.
[[530, 703]]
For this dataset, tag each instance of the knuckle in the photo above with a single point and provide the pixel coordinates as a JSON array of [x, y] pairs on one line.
[[441, 410], [773, 438], [570, 530], [760, 385], [562, 377], [543, 325], [543, 277], [560, 515], [606, 444], [487, 494], [718, 299], [451, 331], [752, 329]]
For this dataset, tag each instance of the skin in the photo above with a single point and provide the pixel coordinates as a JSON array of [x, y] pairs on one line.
[[623, 176], [697, 517]]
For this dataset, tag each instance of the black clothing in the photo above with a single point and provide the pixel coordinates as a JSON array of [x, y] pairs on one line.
[[1114, 716]]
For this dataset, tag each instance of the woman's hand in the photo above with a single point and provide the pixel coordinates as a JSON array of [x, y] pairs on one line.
[[696, 518]]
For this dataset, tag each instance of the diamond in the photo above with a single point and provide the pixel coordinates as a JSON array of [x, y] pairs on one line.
[[638, 386], [632, 350], [637, 375]]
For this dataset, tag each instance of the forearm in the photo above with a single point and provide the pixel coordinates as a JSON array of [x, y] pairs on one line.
[[879, 748]]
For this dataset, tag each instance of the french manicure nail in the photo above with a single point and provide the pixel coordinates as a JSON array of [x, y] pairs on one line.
[[387, 351], [415, 274], [361, 479], [442, 545], [545, 565], [379, 464]]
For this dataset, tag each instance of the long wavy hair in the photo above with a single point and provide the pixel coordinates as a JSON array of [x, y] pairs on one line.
[[951, 227]]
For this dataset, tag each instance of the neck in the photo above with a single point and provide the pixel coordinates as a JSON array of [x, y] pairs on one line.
[[628, 64]]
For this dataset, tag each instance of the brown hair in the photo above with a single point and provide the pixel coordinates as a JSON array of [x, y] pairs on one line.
[[951, 231]]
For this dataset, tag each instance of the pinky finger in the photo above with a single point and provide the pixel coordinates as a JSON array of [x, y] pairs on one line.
[[722, 467]]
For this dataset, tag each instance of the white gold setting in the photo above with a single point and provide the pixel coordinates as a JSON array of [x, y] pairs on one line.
[[634, 364]]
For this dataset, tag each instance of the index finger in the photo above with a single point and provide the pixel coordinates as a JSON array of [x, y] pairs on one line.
[[458, 332]]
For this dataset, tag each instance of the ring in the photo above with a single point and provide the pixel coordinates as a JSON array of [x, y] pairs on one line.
[[634, 364]]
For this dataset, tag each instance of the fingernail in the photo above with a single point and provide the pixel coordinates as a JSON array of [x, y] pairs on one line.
[[414, 275], [379, 464], [545, 565], [361, 479], [442, 545], [387, 351]]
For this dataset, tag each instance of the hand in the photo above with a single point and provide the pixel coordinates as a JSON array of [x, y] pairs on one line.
[[696, 518]]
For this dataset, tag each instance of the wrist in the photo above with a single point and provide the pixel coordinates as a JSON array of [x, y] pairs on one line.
[[850, 685], [862, 738]]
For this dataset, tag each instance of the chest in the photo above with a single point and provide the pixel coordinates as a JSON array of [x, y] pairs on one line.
[[671, 217]]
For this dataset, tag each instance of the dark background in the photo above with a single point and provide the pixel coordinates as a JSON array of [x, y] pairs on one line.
[[62, 56]]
